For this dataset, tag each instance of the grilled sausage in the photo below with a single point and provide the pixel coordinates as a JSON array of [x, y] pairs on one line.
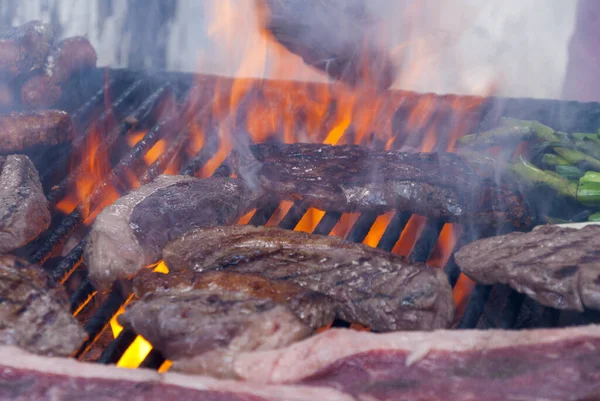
[[25, 48], [65, 59], [20, 131]]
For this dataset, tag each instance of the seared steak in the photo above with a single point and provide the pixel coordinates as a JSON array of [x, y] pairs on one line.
[[19, 131], [556, 266], [130, 234], [371, 287], [34, 311], [202, 330], [24, 211], [334, 36], [27, 377], [491, 365], [313, 308], [353, 178]]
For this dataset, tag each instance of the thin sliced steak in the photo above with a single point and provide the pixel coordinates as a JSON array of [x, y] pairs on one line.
[[371, 287], [492, 365], [27, 377], [556, 266], [20, 131], [351, 178], [24, 210], [202, 330], [131, 233], [35, 313], [313, 308]]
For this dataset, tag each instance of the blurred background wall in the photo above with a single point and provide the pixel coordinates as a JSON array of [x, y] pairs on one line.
[[516, 47]]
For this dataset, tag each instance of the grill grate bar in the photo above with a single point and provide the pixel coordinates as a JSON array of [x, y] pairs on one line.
[[392, 232], [361, 228], [427, 240], [100, 319], [329, 220], [70, 223], [475, 306], [115, 350], [293, 216], [109, 140], [69, 263], [80, 140], [82, 295], [262, 215], [512, 310], [153, 360]]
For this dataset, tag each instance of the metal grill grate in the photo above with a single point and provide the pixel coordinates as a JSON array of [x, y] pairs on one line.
[[137, 97]]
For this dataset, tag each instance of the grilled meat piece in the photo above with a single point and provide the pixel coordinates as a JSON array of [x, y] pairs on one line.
[[202, 330], [27, 377], [448, 365], [24, 210], [35, 311], [556, 266], [313, 308], [131, 233], [65, 59], [371, 287], [40, 92], [353, 178], [25, 48], [19, 131], [334, 36]]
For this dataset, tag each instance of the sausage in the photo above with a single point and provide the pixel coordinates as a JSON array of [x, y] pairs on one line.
[[65, 59], [25, 48], [19, 131]]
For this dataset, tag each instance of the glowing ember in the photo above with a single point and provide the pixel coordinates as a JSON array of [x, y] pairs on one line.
[[377, 229], [444, 245], [245, 219], [345, 224], [462, 290], [409, 236], [310, 220]]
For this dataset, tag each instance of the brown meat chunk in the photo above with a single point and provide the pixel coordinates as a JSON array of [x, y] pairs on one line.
[[24, 210], [202, 331], [313, 308], [556, 266], [371, 287], [35, 311]]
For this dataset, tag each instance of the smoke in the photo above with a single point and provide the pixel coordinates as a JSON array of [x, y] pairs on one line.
[[456, 46]]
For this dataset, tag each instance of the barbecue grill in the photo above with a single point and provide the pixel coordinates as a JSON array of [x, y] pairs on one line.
[[113, 103]]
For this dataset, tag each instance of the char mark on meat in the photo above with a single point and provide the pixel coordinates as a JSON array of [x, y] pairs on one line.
[[130, 234], [313, 308], [35, 311], [556, 266], [369, 286], [24, 210], [201, 331], [352, 178]]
